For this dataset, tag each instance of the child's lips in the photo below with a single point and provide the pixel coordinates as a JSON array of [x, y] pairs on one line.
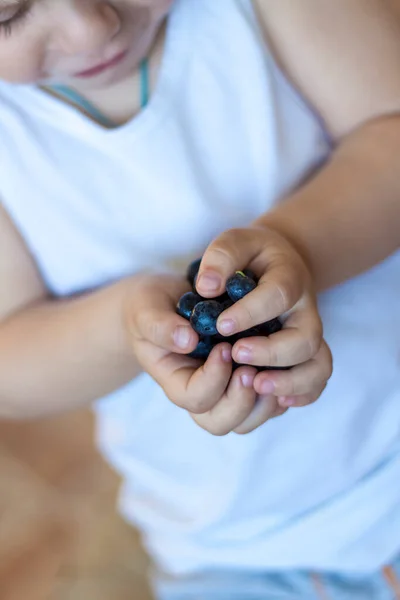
[[98, 69]]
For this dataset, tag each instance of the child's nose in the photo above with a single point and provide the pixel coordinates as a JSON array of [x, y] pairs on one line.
[[87, 26]]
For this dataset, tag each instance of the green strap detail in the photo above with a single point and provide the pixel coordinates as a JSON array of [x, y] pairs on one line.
[[144, 83], [72, 96], [80, 101]]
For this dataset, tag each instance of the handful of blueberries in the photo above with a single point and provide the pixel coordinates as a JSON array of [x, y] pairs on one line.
[[203, 313]]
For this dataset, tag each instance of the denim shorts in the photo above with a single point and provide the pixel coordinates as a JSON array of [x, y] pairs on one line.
[[294, 585]]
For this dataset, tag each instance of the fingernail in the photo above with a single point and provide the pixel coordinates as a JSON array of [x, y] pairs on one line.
[[247, 380], [209, 282], [226, 355], [182, 337], [267, 387], [244, 354], [227, 326], [287, 401]]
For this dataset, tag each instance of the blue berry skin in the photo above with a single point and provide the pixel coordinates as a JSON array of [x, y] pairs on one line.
[[249, 273], [203, 349], [224, 300], [187, 303], [253, 332], [192, 271], [263, 330], [204, 317], [239, 285], [270, 327]]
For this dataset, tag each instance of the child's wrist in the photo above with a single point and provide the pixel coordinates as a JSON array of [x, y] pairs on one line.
[[285, 228], [125, 293]]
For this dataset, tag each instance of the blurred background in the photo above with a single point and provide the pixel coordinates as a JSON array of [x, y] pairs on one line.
[[60, 536]]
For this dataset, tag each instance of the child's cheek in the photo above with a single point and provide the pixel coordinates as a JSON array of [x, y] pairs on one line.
[[19, 64]]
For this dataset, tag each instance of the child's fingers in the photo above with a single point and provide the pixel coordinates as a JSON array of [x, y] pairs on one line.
[[152, 317], [193, 387], [232, 250], [234, 406], [266, 408], [277, 292], [291, 346], [287, 402], [308, 378], [166, 330]]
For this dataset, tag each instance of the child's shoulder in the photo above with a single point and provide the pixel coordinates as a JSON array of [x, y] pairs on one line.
[[344, 56]]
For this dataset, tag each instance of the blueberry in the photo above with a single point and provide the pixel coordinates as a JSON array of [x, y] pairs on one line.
[[253, 332], [192, 271], [239, 285], [219, 338], [270, 327], [187, 303], [265, 329], [224, 300], [204, 317], [249, 273], [203, 348], [232, 339]]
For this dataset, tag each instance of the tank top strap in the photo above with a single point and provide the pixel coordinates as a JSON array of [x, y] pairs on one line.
[[73, 97]]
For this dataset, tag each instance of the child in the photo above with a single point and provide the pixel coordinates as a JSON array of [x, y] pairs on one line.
[[104, 207]]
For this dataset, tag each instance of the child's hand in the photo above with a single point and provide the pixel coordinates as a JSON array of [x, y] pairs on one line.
[[285, 288], [218, 401]]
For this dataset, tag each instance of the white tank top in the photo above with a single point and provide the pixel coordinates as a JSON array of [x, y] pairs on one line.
[[223, 139]]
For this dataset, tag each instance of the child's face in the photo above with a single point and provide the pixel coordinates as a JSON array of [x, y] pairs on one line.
[[87, 43]]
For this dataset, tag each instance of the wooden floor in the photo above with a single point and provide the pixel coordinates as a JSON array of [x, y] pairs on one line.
[[60, 537]]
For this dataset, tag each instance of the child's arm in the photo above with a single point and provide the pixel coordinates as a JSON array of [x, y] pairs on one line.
[[60, 354], [347, 219], [55, 355], [345, 58]]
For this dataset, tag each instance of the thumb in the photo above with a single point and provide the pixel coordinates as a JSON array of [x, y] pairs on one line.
[[153, 318], [233, 250]]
